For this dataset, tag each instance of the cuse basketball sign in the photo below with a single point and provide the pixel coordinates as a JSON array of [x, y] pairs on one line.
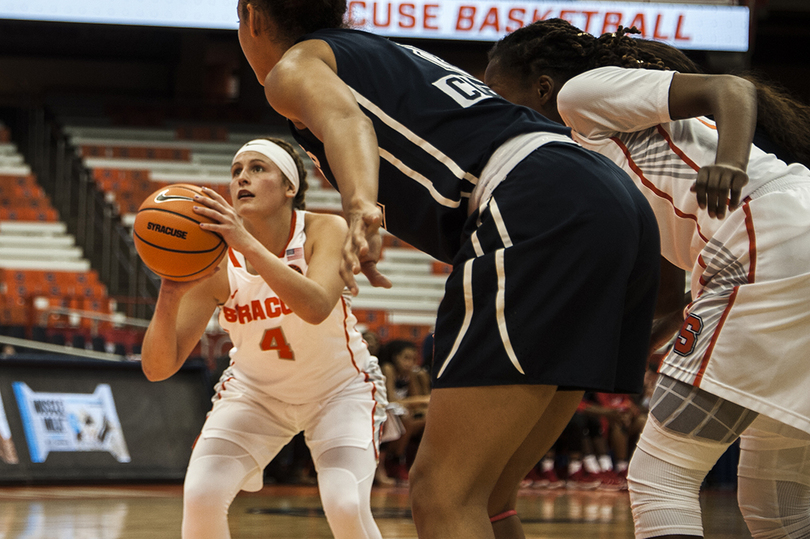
[[686, 26]]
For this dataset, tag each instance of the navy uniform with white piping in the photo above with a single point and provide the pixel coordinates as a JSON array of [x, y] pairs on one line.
[[555, 252]]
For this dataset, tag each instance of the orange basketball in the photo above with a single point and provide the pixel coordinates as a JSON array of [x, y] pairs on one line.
[[168, 236]]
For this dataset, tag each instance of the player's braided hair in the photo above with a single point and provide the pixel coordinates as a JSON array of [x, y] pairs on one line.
[[783, 118], [295, 18], [558, 48], [555, 46]]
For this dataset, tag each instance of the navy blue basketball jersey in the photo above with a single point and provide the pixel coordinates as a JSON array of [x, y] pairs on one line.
[[436, 127]]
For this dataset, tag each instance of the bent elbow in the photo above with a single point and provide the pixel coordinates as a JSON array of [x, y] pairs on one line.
[[152, 374], [315, 317], [316, 313]]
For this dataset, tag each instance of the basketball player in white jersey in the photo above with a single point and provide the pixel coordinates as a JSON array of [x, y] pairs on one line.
[[298, 362], [734, 215]]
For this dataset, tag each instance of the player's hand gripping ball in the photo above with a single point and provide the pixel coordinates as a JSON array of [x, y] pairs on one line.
[[168, 236]]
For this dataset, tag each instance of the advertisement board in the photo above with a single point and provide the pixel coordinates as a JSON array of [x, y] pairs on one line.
[[687, 26], [92, 420]]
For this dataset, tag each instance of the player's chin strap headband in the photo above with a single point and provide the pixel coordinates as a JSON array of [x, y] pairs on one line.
[[276, 154]]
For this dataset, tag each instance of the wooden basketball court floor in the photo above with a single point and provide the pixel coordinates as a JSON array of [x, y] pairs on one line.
[[293, 512]]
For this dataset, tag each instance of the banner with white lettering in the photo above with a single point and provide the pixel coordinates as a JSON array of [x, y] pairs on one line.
[[8, 453], [686, 26], [70, 422]]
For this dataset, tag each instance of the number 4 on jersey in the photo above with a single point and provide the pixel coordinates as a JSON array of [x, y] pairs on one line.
[[274, 339]]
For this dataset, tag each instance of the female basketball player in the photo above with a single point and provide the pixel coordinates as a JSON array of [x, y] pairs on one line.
[[739, 361], [555, 252], [297, 363]]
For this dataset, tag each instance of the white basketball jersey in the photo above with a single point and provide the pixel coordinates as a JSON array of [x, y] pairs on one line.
[[624, 115], [746, 334], [277, 353]]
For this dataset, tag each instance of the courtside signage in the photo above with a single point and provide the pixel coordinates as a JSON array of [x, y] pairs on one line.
[[70, 422], [687, 26]]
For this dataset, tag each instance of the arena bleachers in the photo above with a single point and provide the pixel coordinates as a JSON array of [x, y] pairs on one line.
[[131, 162], [43, 274], [128, 163]]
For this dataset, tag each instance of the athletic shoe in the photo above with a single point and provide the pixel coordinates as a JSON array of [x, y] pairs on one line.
[[529, 480], [582, 480], [611, 481], [547, 480]]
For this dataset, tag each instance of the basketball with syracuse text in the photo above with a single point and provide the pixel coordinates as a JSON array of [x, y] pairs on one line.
[[168, 236]]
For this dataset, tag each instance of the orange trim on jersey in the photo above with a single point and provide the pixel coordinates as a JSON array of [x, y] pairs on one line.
[[234, 260], [708, 355], [647, 183], [707, 124], [226, 380], [365, 374], [292, 232], [752, 243], [676, 150], [346, 332], [374, 437]]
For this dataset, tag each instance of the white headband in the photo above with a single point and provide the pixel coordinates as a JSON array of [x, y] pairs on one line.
[[276, 154]]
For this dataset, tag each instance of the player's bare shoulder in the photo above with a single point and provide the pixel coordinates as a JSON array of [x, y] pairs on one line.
[[324, 225], [325, 232]]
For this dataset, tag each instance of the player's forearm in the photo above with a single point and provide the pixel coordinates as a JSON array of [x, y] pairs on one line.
[[160, 354], [735, 104], [305, 297], [730, 100], [353, 155]]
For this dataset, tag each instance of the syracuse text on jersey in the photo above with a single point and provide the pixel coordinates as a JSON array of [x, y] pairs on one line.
[[271, 307]]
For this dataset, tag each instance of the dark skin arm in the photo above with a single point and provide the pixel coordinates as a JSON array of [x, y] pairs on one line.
[[732, 101]]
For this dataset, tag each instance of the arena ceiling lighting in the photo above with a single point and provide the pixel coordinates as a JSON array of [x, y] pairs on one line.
[[687, 26]]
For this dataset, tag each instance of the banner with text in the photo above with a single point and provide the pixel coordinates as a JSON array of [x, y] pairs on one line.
[[686, 26], [70, 422]]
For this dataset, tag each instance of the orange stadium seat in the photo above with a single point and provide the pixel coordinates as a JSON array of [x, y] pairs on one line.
[[208, 133], [136, 152]]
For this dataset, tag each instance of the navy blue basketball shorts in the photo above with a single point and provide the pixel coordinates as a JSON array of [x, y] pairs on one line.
[[555, 282]]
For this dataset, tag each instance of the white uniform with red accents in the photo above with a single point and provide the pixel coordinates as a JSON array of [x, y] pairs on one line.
[[287, 376], [747, 332], [277, 353]]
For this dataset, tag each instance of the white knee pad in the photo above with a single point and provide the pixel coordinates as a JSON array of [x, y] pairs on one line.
[[218, 469], [664, 497], [775, 509], [664, 479], [774, 481], [345, 498], [212, 483], [347, 509]]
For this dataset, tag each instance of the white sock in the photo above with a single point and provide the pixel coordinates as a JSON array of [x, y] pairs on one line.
[[591, 464]]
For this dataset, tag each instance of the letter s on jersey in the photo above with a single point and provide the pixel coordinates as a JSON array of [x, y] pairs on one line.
[[687, 338]]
